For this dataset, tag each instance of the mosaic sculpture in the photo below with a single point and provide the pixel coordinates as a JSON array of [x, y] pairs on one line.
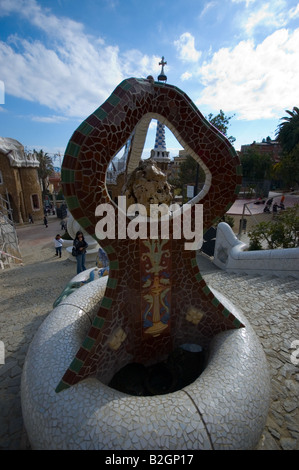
[[153, 301], [90, 150]]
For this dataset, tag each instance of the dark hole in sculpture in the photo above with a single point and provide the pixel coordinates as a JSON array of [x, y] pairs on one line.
[[181, 368]]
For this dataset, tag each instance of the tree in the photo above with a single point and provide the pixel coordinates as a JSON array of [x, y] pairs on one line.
[[288, 135], [287, 132], [256, 165], [288, 168], [190, 171], [221, 122], [45, 168]]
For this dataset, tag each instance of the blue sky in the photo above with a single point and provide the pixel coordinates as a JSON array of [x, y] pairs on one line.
[[61, 59]]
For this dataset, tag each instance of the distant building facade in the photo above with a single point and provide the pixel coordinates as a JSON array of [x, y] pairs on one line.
[[267, 146], [19, 182]]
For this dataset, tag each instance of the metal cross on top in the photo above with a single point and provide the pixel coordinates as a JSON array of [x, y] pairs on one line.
[[162, 77]]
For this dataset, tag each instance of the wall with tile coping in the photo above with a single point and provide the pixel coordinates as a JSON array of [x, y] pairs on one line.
[[230, 255]]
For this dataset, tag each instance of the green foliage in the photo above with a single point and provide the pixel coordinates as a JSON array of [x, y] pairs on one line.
[[229, 220], [45, 168], [287, 132], [256, 165], [221, 122], [281, 232], [288, 168], [190, 171]]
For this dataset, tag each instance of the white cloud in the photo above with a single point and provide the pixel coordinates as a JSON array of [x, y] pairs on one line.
[[269, 15], [49, 119], [2, 92], [247, 2], [294, 12], [186, 48], [207, 7], [255, 82], [186, 76], [72, 73]]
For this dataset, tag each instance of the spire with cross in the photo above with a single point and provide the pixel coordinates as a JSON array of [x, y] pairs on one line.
[[162, 77]]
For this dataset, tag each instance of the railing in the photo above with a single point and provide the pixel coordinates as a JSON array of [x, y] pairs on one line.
[[8, 235], [8, 256], [253, 215]]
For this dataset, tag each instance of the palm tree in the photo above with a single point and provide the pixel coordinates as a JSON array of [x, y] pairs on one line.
[[45, 168], [288, 131]]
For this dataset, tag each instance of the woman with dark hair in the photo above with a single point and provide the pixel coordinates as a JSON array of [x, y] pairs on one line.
[[80, 246]]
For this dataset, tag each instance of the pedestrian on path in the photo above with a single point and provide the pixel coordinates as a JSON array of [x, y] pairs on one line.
[[63, 225], [30, 219], [80, 246], [58, 242], [46, 222]]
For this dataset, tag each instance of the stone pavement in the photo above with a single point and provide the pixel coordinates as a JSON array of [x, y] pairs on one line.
[[27, 294]]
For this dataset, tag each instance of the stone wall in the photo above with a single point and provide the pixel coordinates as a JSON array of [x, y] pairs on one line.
[[22, 184]]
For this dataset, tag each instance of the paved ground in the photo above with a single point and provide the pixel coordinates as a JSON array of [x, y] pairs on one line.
[[27, 294], [238, 206]]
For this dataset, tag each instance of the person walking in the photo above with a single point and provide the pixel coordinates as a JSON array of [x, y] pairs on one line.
[[30, 219], [63, 225], [45, 222], [58, 242], [80, 245]]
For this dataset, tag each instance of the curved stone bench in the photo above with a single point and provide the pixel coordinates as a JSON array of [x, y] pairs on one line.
[[230, 256], [225, 408]]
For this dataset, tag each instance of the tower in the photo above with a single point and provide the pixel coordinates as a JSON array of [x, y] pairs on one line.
[[159, 153]]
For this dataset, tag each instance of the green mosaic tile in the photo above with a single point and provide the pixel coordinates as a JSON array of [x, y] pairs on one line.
[[67, 176], [98, 322], [73, 149], [215, 302], [109, 249], [125, 85], [76, 365], [225, 312], [61, 386], [112, 283], [100, 113], [84, 222], [85, 128], [72, 202], [206, 290], [236, 323], [106, 302], [228, 206], [114, 264], [88, 343], [193, 262], [113, 99], [198, 277]]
